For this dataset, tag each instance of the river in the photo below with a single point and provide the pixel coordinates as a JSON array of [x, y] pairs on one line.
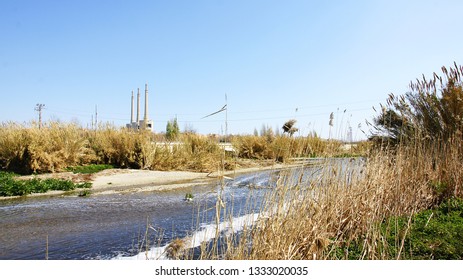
[[123, 225]]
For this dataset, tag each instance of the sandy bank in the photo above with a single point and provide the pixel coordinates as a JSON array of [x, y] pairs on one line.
[[130, 180], [133, 180]]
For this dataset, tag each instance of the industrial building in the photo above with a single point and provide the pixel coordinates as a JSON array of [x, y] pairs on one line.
[[138, 123]]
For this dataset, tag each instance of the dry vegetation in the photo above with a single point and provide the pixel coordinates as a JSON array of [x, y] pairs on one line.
[[339, 212], [58, 146], [372, 211], [283, 148], [353, 212], [26, 149]]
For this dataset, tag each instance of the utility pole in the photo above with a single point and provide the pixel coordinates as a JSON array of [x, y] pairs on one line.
[[39, 107], [145, 122], [226, 118], [96, 116]]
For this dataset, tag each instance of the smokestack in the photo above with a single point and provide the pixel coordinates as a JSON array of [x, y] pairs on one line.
[[146, 104], [131, 110], [138, 106]]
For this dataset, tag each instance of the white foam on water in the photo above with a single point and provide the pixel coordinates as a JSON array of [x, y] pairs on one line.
[[205, 234], [155, 253]]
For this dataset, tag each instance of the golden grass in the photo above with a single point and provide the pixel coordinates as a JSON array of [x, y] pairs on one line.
[[283, 148], [26, 149], [175, 249], [318, 218], [55, 146]]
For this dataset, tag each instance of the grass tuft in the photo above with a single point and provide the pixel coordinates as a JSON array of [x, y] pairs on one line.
[[89, 169], [11, 186]]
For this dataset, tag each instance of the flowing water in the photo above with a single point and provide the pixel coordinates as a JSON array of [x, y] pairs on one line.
[[123, 225], [105, 226]]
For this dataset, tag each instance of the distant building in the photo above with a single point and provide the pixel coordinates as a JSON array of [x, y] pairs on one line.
[[138, 124]]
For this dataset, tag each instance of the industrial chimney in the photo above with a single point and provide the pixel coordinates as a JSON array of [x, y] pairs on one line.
[[138, 106], [131, 110], [146, 106]]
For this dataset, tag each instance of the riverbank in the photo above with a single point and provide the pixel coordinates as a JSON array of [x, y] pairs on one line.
[[112, 181], [132, 180]]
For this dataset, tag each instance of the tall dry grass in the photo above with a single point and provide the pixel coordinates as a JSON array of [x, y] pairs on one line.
[[319, 217], [283, 148], [195, 153], [26, 149]]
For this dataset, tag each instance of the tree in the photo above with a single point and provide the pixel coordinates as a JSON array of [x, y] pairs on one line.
[[289, 127], [172, 130], [392, 126]]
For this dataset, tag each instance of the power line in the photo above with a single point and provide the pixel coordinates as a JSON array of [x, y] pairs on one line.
[[192, 120], [306, 107]]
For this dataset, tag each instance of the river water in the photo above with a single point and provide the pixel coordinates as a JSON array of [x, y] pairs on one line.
[[123, 225], [105, 226]]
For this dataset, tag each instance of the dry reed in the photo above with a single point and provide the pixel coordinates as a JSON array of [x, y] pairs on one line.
[[26, 149], [318, 218], [283, 148]]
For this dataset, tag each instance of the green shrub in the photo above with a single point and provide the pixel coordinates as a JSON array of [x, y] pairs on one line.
[[90, 169], [9, 186]]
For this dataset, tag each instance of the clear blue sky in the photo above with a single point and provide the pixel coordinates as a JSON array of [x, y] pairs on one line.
[[276, 60]]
